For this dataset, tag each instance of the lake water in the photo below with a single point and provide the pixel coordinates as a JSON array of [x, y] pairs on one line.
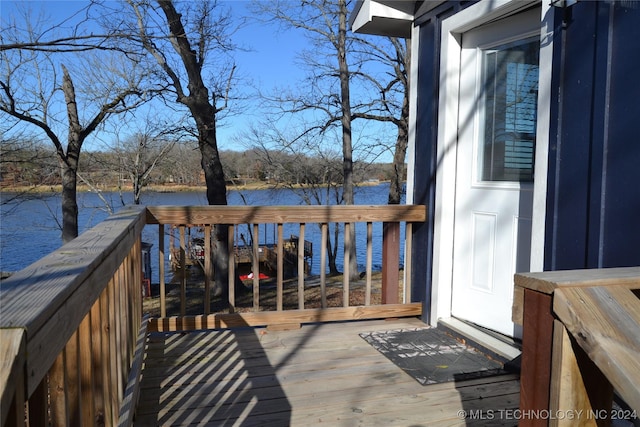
[[29, 229]]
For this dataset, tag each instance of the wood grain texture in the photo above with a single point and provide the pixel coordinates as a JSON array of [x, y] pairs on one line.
[[283, 214], [51, 296], [132, 390], [536, 355], [605, 322], [12, 365], [335, 314], [572, 379], [320, 374], [391, 267], [548, 281]]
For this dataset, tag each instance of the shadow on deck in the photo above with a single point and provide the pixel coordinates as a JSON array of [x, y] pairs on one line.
[[318, 374]]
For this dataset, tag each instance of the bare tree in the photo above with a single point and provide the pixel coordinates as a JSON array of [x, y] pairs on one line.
[[328, 87], [390, 103], [191, 48], [25, 164], [139, 155], [298, 163], [30, 84]]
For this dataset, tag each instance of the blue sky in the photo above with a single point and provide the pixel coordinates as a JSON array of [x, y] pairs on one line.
[[270, 61]]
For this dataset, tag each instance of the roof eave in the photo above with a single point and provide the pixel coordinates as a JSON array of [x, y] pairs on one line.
[[380, 17]]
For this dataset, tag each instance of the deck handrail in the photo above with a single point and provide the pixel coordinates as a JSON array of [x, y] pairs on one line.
[[79, 309], [72, 321], [184, 218]]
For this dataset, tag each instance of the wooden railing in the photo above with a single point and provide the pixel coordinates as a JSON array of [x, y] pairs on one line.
[[205, 218], [72, 326], [69, 325], [581, 343]]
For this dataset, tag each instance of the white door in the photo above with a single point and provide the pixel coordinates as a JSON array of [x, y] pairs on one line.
[[494, 171]]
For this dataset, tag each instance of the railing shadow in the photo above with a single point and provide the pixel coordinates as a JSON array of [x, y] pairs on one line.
[[216, 377]]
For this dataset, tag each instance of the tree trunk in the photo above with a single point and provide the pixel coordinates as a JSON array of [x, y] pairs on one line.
[[332, 253], [137, 189], [69, 203], [402, 140], [399, 155], [204, 114], [216, 191], [347, 149], [69, 161]]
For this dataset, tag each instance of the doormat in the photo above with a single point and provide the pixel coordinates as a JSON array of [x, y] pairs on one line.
[[431, 356]]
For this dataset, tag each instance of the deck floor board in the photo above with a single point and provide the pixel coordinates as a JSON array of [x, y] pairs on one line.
[[319, 374]]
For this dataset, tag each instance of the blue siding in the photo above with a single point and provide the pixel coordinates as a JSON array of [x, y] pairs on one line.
[[593, 196], [593, 212]]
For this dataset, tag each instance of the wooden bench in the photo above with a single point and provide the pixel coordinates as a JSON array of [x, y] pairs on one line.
[[540, 305]]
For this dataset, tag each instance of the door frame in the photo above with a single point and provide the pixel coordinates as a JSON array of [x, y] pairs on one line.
[[443, 211]]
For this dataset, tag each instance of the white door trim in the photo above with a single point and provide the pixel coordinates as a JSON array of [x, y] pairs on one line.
[[443, 211]]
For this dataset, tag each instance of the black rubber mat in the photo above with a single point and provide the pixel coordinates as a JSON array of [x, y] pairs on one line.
[[431, 356]]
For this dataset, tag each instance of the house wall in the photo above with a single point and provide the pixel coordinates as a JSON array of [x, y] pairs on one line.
[[593, 193], [593, 182]]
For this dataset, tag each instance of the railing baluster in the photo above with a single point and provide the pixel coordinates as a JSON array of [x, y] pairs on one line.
[[58, 390], [347, 263], [113, 345], [72, 381], [86, 371], [183, 269], [280, 273], [232, 269], [367, 297], [163, 301], [323, 264], [255, 268], [107, 344], [97, 364], [301, 271], [207, 269], [408, 261], [126, 300], [121, 339]]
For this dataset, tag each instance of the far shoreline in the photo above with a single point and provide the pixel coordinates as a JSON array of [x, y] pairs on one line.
[[164, 188]]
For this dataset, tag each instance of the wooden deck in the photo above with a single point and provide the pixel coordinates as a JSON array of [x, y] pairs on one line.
[[321, 374]]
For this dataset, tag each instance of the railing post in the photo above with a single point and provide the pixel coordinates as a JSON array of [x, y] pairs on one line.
[[390, 262], [537, 338]]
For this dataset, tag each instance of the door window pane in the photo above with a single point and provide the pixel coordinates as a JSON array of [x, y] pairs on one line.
[[509, 104]]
